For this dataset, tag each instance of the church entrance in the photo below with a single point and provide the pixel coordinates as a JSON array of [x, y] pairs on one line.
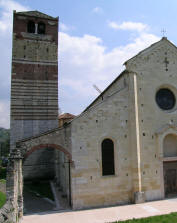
[[170, 165]]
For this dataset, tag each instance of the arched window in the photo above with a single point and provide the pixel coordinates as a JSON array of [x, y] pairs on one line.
[[170, 146], [41, 28], [31, 27], [107, 157]]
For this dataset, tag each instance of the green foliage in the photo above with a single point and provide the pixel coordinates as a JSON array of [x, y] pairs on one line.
[[41, 188], [2, 199], [170, 218], [4, 134], [2, 172], [3, 181]]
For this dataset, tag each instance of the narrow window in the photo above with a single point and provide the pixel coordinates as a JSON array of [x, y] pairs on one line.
[[31, 27], [41, 28], [107, 157]]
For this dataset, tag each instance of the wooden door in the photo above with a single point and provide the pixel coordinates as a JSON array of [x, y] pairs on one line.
[[170, 181]]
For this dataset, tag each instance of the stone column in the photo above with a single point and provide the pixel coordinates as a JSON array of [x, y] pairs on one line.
[[14, 180], [138, 195], [36, 28], [20, 189]]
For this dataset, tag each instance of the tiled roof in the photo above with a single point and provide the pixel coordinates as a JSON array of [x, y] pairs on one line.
[[37, 14], [66, 116]]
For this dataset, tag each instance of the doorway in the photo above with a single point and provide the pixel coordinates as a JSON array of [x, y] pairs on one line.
[[170, 179], [170, 165]]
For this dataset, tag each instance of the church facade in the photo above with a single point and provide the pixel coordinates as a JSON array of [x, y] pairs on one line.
[[123, 147]]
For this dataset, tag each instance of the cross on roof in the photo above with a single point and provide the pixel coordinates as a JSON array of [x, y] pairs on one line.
[[163, 31]]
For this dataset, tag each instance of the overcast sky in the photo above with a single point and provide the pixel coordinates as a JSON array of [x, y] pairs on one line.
[[96, 37]]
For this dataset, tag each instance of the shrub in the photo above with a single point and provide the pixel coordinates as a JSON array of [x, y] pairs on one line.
[[2, 173]]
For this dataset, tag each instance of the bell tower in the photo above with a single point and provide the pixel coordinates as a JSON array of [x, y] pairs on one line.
[[34, 80]]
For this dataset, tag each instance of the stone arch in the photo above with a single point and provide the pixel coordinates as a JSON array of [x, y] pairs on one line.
[[170, 145], [43, 146], [67, 174]]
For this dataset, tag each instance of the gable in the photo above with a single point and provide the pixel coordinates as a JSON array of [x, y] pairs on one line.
[[160, 52]]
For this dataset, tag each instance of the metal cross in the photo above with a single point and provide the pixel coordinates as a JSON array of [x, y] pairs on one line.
[[163, 31]]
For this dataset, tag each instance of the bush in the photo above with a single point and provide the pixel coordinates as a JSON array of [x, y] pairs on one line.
[[2, 173]]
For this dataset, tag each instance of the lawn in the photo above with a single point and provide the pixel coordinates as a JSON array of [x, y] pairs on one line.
[[2, 199], [170, 218], [42, 188]]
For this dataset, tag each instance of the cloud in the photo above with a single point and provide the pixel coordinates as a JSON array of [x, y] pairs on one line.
[[4, 113], [132, 26], [84, 61], [64, 28], [6, 14], [7, 7], [97, 10]]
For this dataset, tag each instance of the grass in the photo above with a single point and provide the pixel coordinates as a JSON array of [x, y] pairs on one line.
[[170, 218], [2, 199], [42, 188]]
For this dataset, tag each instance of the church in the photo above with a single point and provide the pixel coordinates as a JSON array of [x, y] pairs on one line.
[[122, 148]]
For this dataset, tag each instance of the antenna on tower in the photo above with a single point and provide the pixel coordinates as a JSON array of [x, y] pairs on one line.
[[97, 89]]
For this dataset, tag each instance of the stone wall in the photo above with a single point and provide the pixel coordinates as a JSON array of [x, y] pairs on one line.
[[107, 118], [62, 173], [128, 114], [29, 128], [34, 82], [34, 85], [154, 123], [7, 213], [58, 140]]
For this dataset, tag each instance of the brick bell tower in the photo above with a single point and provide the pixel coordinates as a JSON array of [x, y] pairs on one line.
[[34, 82]]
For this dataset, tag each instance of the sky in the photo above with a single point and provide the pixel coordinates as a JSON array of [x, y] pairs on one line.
[[95, 38]]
